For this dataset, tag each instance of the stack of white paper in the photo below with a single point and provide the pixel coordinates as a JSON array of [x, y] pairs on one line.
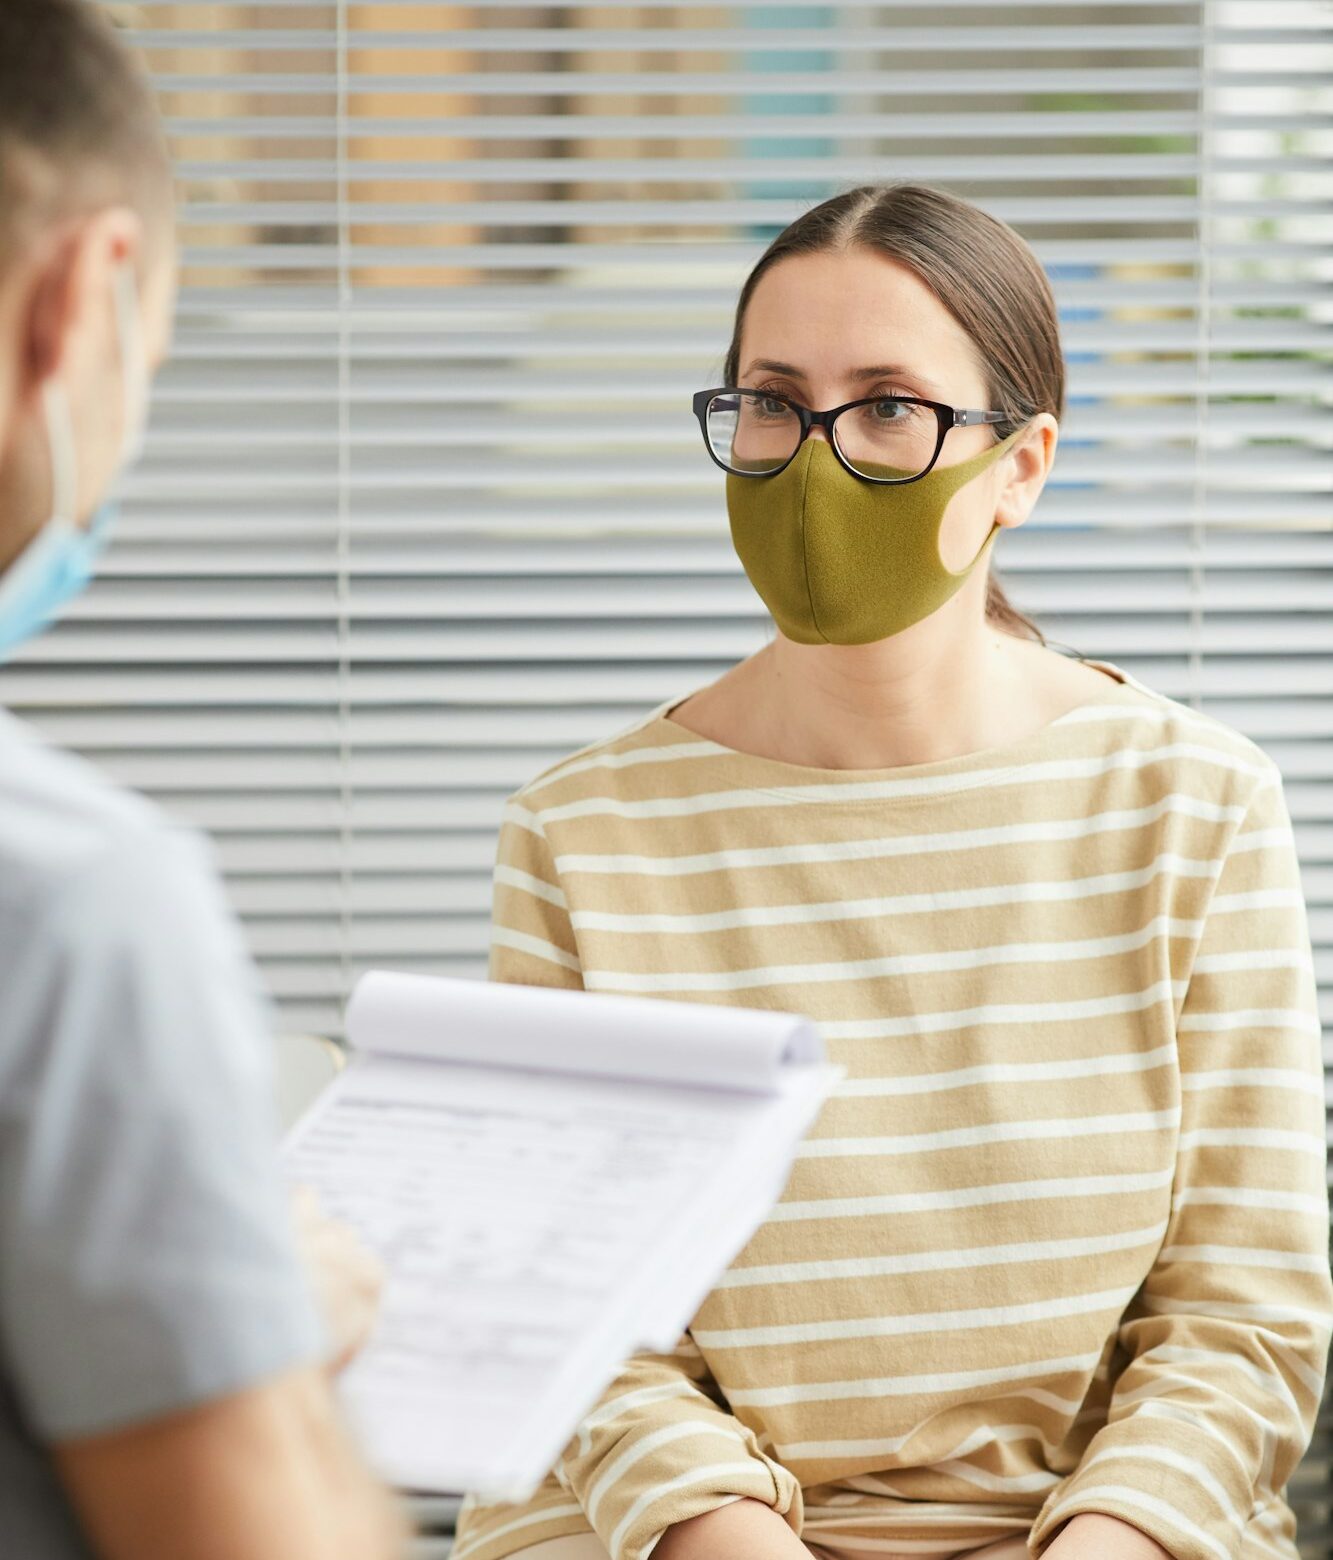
[[553, 1180]]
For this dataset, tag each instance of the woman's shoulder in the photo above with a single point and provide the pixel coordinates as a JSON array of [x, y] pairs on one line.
[[1182, 736], [628, 763]]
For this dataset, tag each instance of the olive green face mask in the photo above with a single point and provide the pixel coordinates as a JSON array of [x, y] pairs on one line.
[[840, 561]]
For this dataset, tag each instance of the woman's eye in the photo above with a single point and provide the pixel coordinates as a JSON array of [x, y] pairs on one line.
[[772, 408], [890, 411]]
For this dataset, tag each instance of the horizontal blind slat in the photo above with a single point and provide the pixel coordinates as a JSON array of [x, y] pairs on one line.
[[343, 614]]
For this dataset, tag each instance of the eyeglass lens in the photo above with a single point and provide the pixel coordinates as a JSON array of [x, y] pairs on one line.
[[751, 432]]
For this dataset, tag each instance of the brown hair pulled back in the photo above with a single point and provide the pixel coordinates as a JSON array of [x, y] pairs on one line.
[[979, 269]]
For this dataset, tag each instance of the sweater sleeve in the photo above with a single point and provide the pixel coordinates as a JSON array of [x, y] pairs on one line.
[[532, 938], [1226, 1340], [660, 1446]]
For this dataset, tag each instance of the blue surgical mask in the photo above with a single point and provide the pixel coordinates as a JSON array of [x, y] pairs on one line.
[[59, 562]]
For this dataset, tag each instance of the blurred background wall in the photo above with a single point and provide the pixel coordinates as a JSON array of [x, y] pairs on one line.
[[424, 506]]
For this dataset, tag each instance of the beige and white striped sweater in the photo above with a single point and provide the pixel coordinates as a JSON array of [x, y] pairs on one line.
[[1059, 1244]]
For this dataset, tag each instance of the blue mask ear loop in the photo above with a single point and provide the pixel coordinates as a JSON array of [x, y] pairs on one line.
[[135, 398], [64, 452], [134, 366], [63, 459], [59, 561], [134, 413], [64, 449]]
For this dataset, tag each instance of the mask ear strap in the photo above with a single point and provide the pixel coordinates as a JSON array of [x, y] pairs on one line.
[[986, 546], [133, 361], [955, 477], [64, 454], [974, 468]]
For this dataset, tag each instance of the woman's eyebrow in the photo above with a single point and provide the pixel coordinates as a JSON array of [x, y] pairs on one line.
[[878, 371], [770, 366], [895, 371]]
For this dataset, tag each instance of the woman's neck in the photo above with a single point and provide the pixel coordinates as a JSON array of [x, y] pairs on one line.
[[914, 699], [878, 706]]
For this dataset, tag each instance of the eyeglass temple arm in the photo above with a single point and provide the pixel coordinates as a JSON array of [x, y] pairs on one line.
[[974, 419]]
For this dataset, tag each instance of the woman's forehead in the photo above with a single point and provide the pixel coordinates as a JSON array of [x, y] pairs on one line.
[[848, 310]]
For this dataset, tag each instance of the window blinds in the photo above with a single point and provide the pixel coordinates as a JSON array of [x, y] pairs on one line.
[[424, 507]]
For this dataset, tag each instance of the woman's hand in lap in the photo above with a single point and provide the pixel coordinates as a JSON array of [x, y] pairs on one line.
[[1093, 1536], [744, 1530]]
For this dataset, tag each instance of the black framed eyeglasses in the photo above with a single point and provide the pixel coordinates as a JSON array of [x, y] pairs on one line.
[[884, 438]]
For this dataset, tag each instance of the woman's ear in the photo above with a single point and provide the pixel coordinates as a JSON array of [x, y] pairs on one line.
[[1026, 468]]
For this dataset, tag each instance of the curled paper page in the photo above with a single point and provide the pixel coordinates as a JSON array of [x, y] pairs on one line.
[[552, 1180], [538, 1028]]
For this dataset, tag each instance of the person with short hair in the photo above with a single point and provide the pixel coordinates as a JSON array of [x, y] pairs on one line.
[[164, 1371]]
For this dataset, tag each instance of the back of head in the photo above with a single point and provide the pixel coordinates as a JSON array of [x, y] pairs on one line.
[[79, 128]]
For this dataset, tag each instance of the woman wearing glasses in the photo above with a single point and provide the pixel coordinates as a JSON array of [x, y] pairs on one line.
[[1051, 1275]]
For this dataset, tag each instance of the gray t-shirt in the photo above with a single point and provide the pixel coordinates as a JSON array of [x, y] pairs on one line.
[[145, 1248]]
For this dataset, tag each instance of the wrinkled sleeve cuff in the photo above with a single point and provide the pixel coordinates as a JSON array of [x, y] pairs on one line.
[[705, 1487], [1164, 1489]]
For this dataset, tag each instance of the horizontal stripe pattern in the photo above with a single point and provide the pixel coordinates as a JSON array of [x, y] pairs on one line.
[[1058, 1239]]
